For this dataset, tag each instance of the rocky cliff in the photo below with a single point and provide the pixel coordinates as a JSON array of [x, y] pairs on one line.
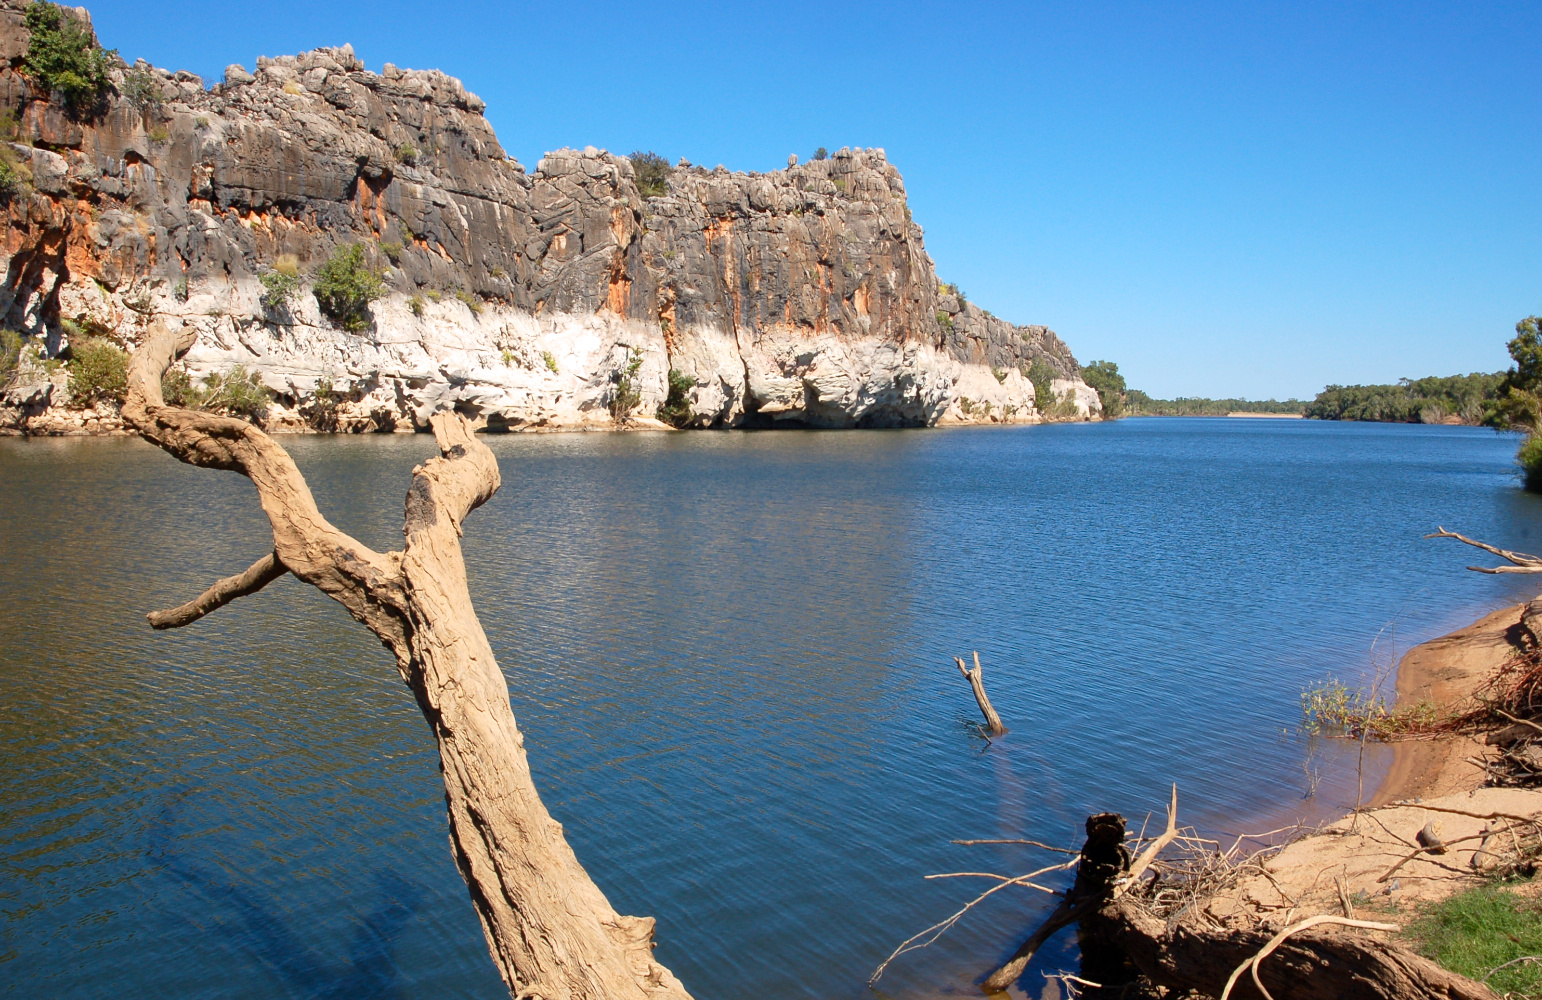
[[801, 296]]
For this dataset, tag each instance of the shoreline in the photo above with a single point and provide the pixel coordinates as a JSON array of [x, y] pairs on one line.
[[1444, 671]]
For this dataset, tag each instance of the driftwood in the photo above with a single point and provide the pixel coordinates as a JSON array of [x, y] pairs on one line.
[[992, 720], [1123, 937], [552, 933]]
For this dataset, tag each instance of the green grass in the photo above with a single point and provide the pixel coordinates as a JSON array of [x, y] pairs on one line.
[[1477, 931]]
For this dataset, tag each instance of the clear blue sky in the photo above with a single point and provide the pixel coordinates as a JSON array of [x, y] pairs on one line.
[[1226, 199]]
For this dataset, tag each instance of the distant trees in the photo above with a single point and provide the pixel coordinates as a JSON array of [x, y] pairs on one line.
[[1434, 400]]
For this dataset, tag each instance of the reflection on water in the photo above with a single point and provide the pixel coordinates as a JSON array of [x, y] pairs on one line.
[[731, 656]]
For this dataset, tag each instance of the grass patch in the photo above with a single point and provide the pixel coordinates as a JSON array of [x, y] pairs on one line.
[[1476, 931], [551, 361]]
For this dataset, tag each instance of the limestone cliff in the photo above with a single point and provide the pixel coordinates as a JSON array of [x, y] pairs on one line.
[[799, 296]]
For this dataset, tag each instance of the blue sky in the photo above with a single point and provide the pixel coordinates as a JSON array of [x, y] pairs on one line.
[[1226, 199]]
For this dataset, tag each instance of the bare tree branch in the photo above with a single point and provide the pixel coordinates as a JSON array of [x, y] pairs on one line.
[[1523, 563], [261, 573], [551, 931]]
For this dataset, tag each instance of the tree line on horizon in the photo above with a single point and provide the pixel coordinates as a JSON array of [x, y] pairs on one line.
[[1507, 400]]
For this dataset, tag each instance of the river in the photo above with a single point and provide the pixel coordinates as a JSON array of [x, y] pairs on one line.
[[731, 656]]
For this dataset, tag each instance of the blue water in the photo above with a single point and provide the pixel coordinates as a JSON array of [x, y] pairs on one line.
[[731, 655]]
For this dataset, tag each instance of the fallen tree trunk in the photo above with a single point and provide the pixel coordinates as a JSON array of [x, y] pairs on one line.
[[552, 933], [1120, 937], [1316, 964]]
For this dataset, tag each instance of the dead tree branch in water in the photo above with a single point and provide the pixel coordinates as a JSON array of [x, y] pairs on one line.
[[1520, 561], [992, 720], [552, 933]]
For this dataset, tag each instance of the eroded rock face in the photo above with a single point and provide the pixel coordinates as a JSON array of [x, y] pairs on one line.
[[801, 296]]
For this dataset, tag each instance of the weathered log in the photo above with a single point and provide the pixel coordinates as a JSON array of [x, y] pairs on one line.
[[1316, 964], [992, 720], [1103, 859], [552, 933]]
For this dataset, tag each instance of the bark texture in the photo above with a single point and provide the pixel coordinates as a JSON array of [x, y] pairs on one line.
[[551, 931]]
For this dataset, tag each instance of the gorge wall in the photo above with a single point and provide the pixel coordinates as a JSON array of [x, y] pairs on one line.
[[801, 296]]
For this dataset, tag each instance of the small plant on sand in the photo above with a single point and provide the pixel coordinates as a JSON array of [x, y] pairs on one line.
[[676, 408], [1331, 708]]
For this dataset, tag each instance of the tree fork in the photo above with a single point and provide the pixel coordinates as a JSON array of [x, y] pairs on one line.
[[551, 931]]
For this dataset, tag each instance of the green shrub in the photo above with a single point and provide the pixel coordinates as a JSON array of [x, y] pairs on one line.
[[393, 250], [651, 172], [676, 408], [142, 88], [508, 358], [1529, 457], [1105, 378], [63, 56], [345, 286], [238, 392], [1043, 376], [627, 396], [945, 320], [407, 153], [434, 295], [98, 372], [178, 389], [471, 301], [416, 305], [821, 153], [322, 411], [10, 355], [281, 289], [1000, 374], [551, 362]]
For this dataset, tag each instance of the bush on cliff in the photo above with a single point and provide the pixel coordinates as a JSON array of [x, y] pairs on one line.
[[676, 408], [1105, 378], [281, 286], [1043, 376], [98, 372], [15, 177], [177, 389], [627, 396], [651, 172], [345, 286], [238, 392], [63, 56]]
